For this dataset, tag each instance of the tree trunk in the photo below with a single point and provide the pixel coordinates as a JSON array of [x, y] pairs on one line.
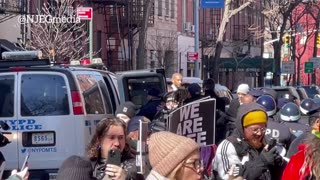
[[216, 61], [277, 59], [142, 53]]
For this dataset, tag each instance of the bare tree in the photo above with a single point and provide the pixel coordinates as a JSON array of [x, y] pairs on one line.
[[276, 15], [59, 35], [227, 14], [163, 45]]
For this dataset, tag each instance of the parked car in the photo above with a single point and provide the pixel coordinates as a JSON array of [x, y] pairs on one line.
[[311, 91], [288, 92]]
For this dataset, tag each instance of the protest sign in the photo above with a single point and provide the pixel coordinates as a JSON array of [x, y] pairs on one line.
[[195, 120]]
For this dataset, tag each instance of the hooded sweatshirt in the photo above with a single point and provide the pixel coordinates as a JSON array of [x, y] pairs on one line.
[[235, 150]]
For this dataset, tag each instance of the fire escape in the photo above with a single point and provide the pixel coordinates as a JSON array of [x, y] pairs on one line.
[[10, 9], [122, 20]]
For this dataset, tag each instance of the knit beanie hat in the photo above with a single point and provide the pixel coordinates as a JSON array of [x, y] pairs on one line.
[[243, 88], [167, 150], [75, 168], [254, 117], [127, 108]]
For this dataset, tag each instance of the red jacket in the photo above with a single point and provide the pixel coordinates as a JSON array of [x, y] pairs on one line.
[[292, 170]]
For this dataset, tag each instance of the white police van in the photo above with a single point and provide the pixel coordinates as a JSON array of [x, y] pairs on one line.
[[52, 110]]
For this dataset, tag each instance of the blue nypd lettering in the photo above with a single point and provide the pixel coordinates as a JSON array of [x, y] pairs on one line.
[[39, 150], [23, 124]]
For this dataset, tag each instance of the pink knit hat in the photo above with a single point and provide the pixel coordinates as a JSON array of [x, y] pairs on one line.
[[167, 150]]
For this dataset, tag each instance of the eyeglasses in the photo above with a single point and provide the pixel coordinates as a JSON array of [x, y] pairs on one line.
[[258, 130], [196, 165]]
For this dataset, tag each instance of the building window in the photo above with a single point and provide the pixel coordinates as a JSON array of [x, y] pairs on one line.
[[173, 9], [152, 64], [159, 7], [167, 4]]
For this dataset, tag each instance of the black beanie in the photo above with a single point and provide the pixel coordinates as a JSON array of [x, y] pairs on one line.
[[75, 168], [127, 108]]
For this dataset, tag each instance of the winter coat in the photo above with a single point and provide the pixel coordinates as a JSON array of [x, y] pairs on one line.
[[128, 164], [235, 150], [292, 171]]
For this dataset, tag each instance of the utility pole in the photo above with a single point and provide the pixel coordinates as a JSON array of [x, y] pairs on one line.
[[141, 56], [196, 36]]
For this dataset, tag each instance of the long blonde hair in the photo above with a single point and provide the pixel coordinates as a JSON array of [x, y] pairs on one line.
[[312, 158]]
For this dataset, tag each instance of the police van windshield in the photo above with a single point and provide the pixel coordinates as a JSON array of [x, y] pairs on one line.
[[43, 95], [7, 96]]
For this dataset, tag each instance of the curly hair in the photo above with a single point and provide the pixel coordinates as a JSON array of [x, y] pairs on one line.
[[312, 157], [93, 149]]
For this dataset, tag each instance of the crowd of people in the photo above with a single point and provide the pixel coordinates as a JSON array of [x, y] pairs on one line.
[[260, 136]]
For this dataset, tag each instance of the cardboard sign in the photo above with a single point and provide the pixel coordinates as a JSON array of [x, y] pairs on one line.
[[195, 120]]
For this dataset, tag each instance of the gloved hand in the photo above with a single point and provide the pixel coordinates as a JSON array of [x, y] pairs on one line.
[[268, 157]]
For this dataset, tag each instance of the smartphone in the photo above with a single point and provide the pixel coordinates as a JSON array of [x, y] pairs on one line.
[[272, 143], [114, 157], [25, 163]]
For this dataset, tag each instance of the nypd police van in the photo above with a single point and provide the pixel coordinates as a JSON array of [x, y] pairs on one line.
[[52, 110]]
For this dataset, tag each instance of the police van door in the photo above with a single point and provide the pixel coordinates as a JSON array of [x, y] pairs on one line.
[[134, 85], [45, 121], [8, 114]]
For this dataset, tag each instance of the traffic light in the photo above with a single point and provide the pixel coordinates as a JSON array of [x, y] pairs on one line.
[[318, 41], [287, 41]]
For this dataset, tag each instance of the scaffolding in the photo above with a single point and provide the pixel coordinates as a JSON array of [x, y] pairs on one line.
[[122, 20]]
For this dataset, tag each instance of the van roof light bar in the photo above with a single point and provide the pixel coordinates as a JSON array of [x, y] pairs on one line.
[[22, 55]]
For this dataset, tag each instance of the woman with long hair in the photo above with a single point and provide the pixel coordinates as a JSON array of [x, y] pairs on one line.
[[111, 134]]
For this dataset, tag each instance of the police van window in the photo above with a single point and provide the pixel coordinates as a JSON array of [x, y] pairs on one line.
[[7, 96], [43, 95], [91, 93], [105, 93], [138, 88]]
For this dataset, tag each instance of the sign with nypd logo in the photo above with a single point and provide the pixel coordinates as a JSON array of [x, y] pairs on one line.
[[195, 120]]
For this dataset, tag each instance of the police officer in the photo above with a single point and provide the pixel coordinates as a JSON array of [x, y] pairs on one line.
[[305, 106], [290, 116], [275, 130]]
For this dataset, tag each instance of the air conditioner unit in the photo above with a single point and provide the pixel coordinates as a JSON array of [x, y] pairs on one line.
[[192, 29], [187, 26]]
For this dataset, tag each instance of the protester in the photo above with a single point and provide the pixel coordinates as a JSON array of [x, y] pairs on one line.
[[125, 111], [209, 90], [176, 82], [75, 168], [247, 148], [111, 134], [174, 157], [242, 91], [150, 109], [195, 93], [133, 130], [305, 163]]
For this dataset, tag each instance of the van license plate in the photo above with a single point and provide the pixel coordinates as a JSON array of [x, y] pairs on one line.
[[42, 138]]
